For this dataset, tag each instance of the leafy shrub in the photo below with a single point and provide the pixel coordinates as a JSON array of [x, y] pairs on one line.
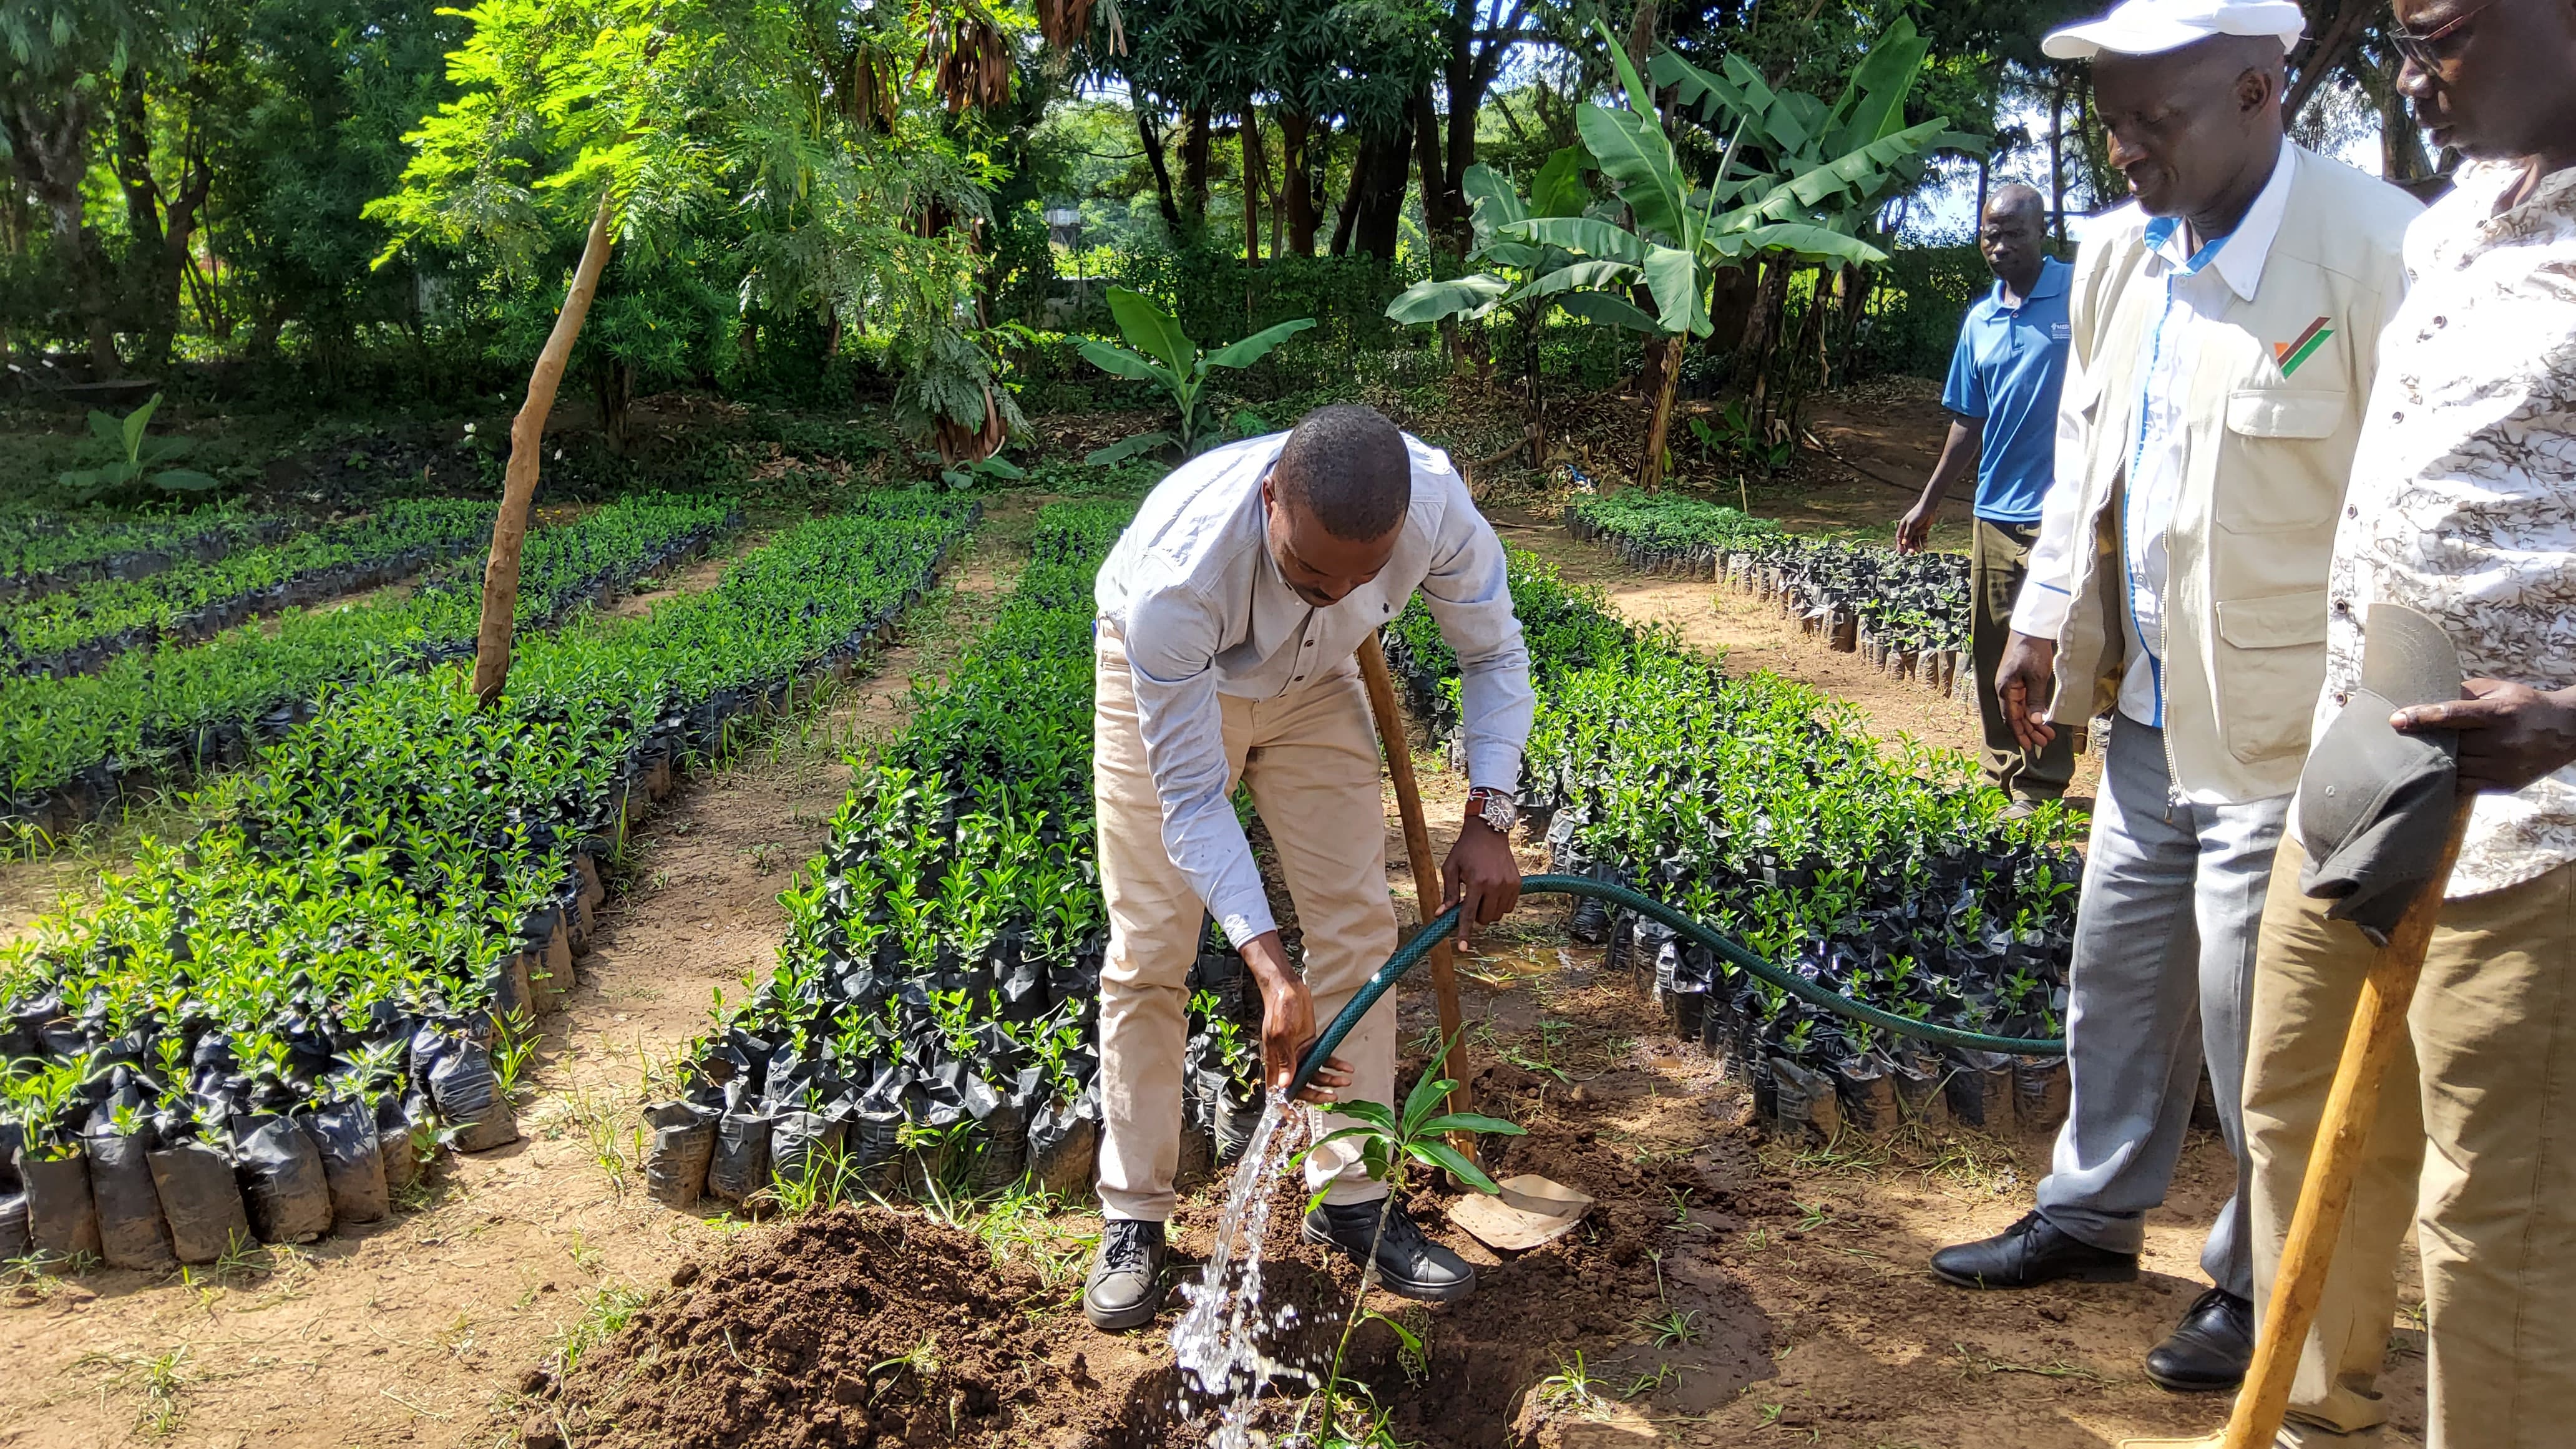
[[1762, 807]]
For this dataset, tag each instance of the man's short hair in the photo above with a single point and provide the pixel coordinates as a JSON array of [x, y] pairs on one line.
[[2017, 197], [1348, 466]]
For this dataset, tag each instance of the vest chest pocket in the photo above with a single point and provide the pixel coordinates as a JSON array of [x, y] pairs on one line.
[[2287, 481]]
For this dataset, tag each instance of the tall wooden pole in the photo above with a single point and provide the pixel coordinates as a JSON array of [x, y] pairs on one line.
[[1426, 873], [527, 447], [2378, 1027]]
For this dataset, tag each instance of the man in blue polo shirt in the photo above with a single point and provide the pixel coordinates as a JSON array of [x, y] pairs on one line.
[[2004, 380]]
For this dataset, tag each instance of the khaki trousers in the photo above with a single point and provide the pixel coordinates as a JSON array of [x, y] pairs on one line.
[[2475, 1140], [1998, 561], [1311, 759]]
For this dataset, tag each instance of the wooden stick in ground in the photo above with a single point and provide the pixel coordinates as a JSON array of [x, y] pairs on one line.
[[1426, 873], [519, 480], [2378, 1026]]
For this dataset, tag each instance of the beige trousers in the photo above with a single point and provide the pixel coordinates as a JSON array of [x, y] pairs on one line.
[[1311, 759], [2475, 1140]]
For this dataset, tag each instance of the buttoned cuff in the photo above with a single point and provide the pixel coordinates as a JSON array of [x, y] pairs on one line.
[[1494, 766], [2041, 610]]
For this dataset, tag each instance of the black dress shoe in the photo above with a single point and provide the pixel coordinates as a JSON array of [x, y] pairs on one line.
[[2209, 1352], [2027, 1254], [1409, 1265]]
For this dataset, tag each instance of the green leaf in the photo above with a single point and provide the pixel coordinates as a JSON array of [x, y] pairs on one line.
[[1120, 452], [1588, 236], [1446, 1123], [1559, 189], [1821, 243], [1412, 1341], [1001, 467], [136, 421], [1873, 102], [1469, 296], [183, 480], [105, 428], [1376, 1114], [1497, 204], [1151, 330], [1608, 310], [1449, 1159], [1639, 161], [1672, 276], [1127, 364], [1257, 346], [1425, 1098]]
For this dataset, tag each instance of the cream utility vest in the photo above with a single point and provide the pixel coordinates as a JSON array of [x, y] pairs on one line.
[[2272, 421]]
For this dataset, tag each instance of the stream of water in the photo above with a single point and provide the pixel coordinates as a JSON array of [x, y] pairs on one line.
[[1217, 1342]]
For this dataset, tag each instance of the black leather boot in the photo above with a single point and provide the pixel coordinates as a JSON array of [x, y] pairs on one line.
[[2210, 1351], [1125, 1289], [1408, 1264], [2027, 1254]]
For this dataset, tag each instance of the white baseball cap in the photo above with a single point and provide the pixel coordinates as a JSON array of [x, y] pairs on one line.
[[2152, 27]]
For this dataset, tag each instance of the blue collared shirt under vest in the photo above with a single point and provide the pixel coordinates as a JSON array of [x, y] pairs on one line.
[[2006, 373]]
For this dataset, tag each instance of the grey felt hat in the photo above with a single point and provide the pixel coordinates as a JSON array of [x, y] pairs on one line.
[[2375, 805]]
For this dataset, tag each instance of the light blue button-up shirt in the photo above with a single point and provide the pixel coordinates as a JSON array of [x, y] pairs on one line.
[[1192, 590]]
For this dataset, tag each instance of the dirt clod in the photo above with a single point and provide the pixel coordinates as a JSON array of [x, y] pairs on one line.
[[855, 1327]]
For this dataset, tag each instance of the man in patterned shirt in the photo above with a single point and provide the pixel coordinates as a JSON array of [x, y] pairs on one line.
[[2463, 508]]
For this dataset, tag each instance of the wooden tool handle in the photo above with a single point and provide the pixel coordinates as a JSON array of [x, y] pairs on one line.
[[1426, 868], [2378, 1025]]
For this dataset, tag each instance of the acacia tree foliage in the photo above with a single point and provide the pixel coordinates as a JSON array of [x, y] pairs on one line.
[[652, 116]]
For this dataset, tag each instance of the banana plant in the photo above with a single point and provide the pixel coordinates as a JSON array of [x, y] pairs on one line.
[[1166, 357], [1685, 235], [1516, 274], [132, 457]]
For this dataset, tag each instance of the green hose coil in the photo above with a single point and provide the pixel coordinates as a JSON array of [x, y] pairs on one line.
[[1410, 954]]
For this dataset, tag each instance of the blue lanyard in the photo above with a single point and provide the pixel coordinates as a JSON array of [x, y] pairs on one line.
[[2132, 548]]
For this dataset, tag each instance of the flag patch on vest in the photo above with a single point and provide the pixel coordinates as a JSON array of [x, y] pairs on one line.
[[2291, 354]]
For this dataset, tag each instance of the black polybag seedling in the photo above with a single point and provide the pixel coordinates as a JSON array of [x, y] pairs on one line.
[[353, 1165], [283, 1185], [131, 1233], [62, 1220], [200, 1200]]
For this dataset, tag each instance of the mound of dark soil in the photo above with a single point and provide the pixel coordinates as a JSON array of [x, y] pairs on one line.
[[853, 1328]]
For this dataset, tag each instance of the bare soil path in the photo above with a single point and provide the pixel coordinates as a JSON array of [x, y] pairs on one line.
[[417, 1329]]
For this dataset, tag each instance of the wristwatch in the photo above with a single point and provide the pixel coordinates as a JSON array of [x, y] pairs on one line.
[[1497, 808]]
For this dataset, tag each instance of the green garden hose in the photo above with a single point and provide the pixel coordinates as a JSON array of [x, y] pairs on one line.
[[1411, 953]]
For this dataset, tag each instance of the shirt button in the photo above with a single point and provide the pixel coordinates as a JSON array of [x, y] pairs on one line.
[[1310, 643], [2342, 698], [2398, 416], [2341, 607], [2352, 512]]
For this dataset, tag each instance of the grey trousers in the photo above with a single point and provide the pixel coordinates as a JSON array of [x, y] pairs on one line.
[[2164, 965]]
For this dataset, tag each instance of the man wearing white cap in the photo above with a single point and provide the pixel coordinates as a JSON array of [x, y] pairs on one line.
[[2224, 329]]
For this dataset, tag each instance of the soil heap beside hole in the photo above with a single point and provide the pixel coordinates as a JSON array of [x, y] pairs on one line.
[[855, 1327]]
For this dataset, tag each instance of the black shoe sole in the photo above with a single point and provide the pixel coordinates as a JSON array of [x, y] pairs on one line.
[[2195, 1386], [1401, 1287], [2098, 1273], [1125, 1319]]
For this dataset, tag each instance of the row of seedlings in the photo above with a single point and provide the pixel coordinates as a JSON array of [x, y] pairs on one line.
[[72, 748], [932, 1021], [74, 631], [1907, 614], [43, 552], [1761, 807], [268, 1031]]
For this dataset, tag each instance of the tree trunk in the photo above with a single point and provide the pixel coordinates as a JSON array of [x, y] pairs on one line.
[[2057, 156], [1650, 471], [1297, 196], [1641, 32], [1439, 219], [2328, 46], [1194, 171], [1150, 138], [52, 156], [519, 480], [1378, 178], [1256, 177], [1346, 220]]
